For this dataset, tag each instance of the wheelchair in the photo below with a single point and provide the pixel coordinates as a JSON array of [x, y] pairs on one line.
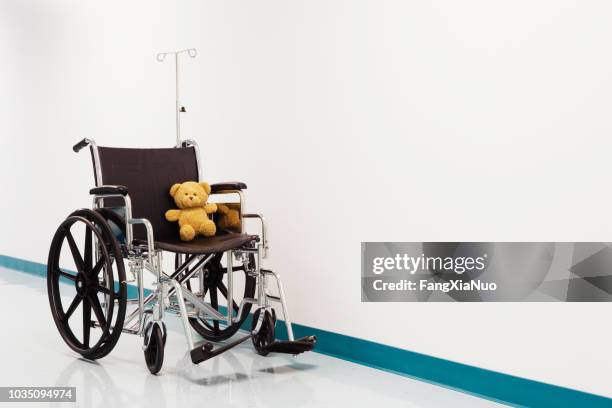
[[126, 223]]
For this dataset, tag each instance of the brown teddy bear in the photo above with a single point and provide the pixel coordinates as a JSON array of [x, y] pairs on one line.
[[190, 197], [228, 216]]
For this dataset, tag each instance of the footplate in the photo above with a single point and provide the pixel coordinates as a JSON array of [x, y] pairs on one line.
[[205, 351], [294, 347]]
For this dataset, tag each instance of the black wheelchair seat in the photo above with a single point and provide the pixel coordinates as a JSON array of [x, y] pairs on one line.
[[206, 245]]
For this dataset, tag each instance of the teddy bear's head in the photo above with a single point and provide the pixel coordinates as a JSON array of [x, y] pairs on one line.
[[190, 194]]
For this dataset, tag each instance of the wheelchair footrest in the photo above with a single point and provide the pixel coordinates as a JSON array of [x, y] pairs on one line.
[[206, 350], [294, 347]]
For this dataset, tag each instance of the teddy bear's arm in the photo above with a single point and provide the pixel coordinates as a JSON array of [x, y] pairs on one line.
[[210, 208], [173, 215], [222, 209]]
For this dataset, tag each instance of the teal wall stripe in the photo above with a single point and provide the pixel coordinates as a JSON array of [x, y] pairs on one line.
[[484, 383]]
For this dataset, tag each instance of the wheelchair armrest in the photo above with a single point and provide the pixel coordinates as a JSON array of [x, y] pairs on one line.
[[122, 190], [228, 185]]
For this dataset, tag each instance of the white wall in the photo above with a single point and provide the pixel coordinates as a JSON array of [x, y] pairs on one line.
[[350, 121]]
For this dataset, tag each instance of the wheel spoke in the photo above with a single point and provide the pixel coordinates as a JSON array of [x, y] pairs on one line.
[[98, 267], [87, 252], [223, 291], [72, 307], [103, 289], [86, 321], [67, 275], [76, 255], [215, 305], [97, 308]]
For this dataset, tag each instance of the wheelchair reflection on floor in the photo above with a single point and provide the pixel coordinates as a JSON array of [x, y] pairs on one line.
[[127, 222]]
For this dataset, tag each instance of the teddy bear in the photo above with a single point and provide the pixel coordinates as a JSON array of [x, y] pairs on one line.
[[190, 197], [228, 216]]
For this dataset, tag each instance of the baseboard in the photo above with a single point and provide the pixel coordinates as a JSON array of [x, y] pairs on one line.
[[473, 380]]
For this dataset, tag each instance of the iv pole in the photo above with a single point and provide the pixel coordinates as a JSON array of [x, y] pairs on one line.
[[192, 52]]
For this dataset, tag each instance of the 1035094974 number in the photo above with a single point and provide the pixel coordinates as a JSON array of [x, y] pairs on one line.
[[66, 394]]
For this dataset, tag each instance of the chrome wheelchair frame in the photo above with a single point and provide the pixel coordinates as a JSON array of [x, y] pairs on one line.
[[171, 294]]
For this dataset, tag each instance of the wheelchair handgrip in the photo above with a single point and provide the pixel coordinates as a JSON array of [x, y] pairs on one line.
[[83, 143]]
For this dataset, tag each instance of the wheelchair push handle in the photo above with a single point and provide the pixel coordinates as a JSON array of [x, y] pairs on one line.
[[83, 143]]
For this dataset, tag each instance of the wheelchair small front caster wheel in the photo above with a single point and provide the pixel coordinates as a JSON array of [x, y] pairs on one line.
[[265, 336], [154, 350]]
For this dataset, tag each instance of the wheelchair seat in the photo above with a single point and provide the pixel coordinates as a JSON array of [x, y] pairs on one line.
[[205, 245]]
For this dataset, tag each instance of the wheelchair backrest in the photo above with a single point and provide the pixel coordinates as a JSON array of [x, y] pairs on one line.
[[148, 174]]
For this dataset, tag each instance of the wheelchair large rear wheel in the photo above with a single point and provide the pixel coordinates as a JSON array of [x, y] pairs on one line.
[[86, 284], [215, 290]]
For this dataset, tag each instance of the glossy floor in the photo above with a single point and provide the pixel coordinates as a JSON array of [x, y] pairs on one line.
[[33, 354]]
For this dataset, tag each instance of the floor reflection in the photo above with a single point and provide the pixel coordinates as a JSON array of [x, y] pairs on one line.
[[94, 386], [34, 354]]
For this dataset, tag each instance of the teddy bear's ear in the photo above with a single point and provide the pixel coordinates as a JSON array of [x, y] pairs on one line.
[[206, 187], [174, 189]]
